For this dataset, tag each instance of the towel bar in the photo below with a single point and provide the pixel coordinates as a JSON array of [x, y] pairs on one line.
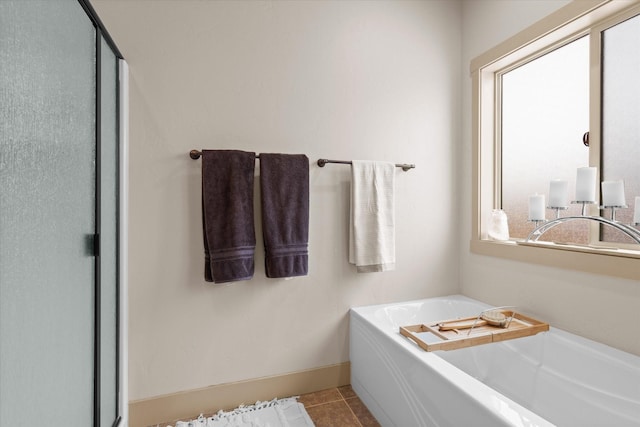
[[195, 154], [321, 162]]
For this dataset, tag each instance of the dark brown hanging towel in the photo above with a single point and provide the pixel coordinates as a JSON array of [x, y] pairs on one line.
[[284, 186], [227, 215]]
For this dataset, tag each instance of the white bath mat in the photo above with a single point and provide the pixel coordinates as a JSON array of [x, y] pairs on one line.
[[276, 413]]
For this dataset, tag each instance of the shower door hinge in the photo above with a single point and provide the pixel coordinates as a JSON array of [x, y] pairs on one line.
[[96, 245], [92, 245]]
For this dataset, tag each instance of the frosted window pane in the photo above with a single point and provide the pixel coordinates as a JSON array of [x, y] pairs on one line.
[[108, 234], [545, 112], [47, 200], [621, 114]]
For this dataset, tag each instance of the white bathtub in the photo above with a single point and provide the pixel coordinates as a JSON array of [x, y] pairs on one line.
[[553, 378]]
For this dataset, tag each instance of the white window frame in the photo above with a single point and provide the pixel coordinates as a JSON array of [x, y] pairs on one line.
[[573, 21]]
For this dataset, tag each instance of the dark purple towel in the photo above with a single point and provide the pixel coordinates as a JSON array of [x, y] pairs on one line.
[[227, 215], [284, 186]]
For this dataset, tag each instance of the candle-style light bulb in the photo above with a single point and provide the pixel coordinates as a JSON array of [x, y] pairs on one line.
[[558, 193], [613, 193], [536, 207], [586, 185]]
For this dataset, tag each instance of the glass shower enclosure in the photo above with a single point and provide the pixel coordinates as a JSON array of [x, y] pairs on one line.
[[59, 216]]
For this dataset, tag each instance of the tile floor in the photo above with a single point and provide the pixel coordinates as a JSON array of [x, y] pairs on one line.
[[336, 407]]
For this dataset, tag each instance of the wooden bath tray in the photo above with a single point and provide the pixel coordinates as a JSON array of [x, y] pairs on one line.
[[432, 337]]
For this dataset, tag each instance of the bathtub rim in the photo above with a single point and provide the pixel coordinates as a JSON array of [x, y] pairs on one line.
[[611, 352]]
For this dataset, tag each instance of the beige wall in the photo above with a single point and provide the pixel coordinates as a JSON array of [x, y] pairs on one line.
[[343, 80], [336, 79], [602, 308]]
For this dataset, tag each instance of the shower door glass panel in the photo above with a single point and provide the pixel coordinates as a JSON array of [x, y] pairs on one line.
[[47, 205], [108, 235]]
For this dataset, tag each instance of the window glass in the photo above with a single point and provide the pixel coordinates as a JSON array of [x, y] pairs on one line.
[[621, 116], [545, 112]]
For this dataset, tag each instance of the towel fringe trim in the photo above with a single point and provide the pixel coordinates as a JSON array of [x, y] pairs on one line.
[[221, 415]]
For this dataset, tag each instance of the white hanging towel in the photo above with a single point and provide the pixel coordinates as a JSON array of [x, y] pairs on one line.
[[372, 233]]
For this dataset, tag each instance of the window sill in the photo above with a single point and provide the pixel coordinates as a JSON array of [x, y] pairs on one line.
[[623, 263]]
